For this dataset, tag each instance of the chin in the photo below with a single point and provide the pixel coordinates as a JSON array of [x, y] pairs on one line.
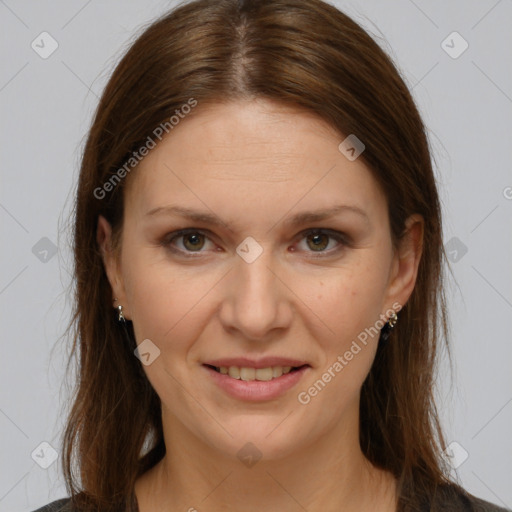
[[265, 438]]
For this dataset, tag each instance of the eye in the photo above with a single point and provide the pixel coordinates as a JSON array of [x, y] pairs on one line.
[[192, 241], [319, 240], [186, 242]]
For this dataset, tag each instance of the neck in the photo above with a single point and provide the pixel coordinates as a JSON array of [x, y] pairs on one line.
[[329, 474]]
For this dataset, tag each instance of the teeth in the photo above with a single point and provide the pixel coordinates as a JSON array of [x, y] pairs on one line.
[[277, 371], [263, 374], [234, 372], [248, 374]]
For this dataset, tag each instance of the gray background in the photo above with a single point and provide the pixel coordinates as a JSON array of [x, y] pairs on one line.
[[46, 110]]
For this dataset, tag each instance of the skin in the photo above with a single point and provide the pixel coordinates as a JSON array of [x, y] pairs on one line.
[[254, 165]]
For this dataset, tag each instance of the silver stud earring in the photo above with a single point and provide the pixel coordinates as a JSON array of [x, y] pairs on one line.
[[120, 316]]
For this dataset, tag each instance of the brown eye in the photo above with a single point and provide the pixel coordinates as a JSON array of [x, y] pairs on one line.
[[318, 241], [193, 241], [187, 242], [323, 242]]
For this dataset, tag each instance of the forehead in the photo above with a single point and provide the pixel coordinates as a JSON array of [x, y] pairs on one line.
[[248, 157]]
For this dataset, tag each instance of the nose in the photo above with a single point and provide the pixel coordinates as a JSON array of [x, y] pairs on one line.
[[257, 303]]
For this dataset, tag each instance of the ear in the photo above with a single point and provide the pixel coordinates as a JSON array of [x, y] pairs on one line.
[[111, 263], [406, 261]]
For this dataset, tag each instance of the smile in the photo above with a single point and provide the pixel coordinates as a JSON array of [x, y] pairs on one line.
[[248, 374], [256, 384]]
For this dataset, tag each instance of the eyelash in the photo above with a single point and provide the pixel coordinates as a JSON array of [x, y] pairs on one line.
[[341, 238]]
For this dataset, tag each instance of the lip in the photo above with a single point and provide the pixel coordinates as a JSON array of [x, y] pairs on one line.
[[264, 362], [256, 390]]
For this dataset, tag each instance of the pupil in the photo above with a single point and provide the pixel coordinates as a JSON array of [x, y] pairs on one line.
[[193, 240], [317, 240]]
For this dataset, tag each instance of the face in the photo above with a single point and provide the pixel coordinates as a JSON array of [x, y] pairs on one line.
[[254, 282]]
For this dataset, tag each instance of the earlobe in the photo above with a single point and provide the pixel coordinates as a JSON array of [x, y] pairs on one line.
[[407, 260]]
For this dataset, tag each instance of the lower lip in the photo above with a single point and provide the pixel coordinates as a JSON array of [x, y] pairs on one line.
[[257, 390]]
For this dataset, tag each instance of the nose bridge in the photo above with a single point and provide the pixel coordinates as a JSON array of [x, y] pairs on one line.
[[256, 301]]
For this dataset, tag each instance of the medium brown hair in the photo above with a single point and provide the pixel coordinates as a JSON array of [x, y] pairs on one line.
[[304, 53]]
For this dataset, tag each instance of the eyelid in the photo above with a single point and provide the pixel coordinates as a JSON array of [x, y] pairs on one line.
[[339, 236], [170, 237]]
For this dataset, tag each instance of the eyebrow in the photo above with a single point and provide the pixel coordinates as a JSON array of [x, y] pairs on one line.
[[324, 214], [298, 219]]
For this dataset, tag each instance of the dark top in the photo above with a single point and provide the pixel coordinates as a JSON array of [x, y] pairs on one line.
[[450, 499]]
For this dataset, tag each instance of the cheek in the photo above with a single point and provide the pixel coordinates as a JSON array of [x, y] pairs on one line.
[[350, 305], [156, 303], [348, 300], [167, 304], [166, 309]]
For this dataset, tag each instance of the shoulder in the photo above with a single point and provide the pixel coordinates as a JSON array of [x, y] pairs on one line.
[[62, 505], [453, 497]]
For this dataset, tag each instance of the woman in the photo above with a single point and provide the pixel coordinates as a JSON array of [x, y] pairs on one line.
[[258, 253]]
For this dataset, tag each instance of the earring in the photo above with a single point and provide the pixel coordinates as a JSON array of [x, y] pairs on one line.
[[120, 316], [388, 326], [393, 319]]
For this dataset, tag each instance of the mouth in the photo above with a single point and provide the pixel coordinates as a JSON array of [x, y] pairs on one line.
[[251, 384], [248, 374]]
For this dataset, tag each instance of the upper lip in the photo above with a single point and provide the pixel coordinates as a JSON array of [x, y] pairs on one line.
[[264, 362]]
